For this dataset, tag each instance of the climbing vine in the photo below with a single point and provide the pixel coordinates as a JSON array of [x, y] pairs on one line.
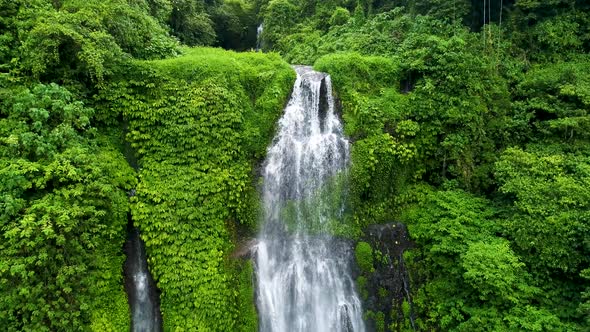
[[198, 125]]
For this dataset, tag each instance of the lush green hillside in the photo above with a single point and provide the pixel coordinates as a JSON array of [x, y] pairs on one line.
[[199, 123], [63, 218], [469, 122], [481, 176], [476, 138]]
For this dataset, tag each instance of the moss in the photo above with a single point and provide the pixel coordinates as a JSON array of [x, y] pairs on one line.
[[361, 284], [383, 293], [364, 257]]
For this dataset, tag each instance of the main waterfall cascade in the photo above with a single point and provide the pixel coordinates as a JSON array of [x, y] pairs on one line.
[[303, 274]]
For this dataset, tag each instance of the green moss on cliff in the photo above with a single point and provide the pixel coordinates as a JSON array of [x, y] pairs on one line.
[[364, 256]]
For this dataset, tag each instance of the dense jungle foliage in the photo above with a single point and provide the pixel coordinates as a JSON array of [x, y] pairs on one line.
[[469, 122]]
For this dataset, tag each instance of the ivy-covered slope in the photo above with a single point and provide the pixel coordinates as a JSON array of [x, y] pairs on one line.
[[63, 214], [199, 123], [486, 161]]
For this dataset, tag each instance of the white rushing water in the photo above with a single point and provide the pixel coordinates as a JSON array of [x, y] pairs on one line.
[[259, 31], [303, 274], [145, 316]]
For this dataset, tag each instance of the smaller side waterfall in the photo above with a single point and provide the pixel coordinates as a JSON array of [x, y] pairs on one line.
[[141, 289]]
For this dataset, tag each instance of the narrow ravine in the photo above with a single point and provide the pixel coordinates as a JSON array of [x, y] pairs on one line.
[[303, 273], [143, 295]]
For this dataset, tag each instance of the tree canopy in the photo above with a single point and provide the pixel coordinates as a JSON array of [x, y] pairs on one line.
[[469, 122]]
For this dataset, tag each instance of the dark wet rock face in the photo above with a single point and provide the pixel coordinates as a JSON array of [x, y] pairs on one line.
[[245, 249], [388, 287], [408, 83], [324, 104]]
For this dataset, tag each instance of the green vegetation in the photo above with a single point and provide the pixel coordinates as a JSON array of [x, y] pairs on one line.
[[379, 319], [75, 87], [364, 256], [248, 318], [64, 211], [470, 123], [197, 123], [475, 136]]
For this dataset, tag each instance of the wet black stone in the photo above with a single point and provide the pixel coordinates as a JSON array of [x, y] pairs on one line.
[[390, 273]]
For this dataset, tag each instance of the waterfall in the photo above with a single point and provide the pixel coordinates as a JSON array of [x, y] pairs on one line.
[[259, 31], [303, 274], [141, 290]]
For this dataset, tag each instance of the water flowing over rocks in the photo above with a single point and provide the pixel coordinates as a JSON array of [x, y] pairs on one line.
[[303, 273], [259, 31], [142, 294]]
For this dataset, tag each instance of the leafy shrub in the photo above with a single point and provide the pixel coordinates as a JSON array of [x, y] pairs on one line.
[[279, 18], [340, 16], [63, 196], [83, 39]]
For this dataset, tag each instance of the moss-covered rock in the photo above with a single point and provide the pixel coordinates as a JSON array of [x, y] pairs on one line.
[[364, 256]]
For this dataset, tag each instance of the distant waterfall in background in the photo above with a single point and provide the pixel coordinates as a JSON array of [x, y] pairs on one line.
[[259, 31], [303, 273]]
